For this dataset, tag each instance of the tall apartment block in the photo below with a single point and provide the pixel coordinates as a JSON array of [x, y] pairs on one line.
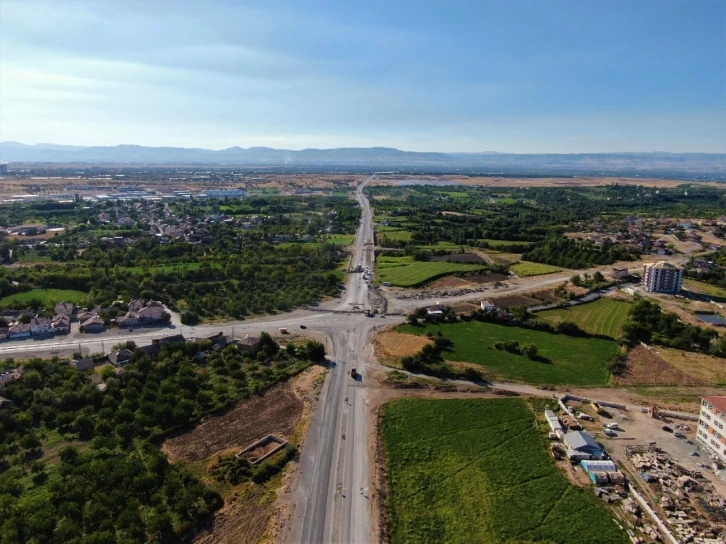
[[712, 425], [662, 277]]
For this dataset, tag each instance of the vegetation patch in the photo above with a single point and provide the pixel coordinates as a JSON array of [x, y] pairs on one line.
[[604, 316], [478, 471], [533, 269], [406, 272], [47, 298], [340, 239], [561, 359], [704, 288]]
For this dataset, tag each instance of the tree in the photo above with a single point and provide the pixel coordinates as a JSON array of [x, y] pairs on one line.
[[576, 279], [69, 455], [315, 351], [597, 277], [529, 351]]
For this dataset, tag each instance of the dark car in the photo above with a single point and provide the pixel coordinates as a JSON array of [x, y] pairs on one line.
[[667, 429], [303, 326]]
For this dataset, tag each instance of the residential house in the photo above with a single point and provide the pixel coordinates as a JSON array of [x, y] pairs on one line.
[[120, 357], [98, 382], [85, 315], [18, 331], [436, 310], [40, 326], [249, 344], [93, 324], [167, 340], [87, 363], [488, 306], [61, 324], [619, 273], [66, 308], [152, 350], [10, 376]]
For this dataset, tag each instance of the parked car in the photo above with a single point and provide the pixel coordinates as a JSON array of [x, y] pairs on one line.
[[303, 326], [667, 429], [693, 453], [679, 435]]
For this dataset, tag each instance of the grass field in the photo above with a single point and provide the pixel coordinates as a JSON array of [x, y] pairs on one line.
[[500, 243], [394, 234], [454, 194], [477, 470], [567, 359], [533, 269], [443, 245], [405, 272], [604, 316], [340, 239], [48, 297], [33, 257], [704, 288]]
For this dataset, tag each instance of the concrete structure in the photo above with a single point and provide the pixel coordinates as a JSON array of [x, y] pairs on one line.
[[94, 324], [120, 357], [581, 446], [712, 425], [40, 325], [554, 423], [662, 277]]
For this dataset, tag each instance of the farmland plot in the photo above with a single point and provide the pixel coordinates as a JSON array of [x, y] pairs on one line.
[[604, 316], [564, 359], [405, 272], [477, 470]]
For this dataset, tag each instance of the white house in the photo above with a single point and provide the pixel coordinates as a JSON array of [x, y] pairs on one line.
[[40, 325], [488, 306]]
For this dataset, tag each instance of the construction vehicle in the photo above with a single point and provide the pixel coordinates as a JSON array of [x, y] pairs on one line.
[[353, 373]]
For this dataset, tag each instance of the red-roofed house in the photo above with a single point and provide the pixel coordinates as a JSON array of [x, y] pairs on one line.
[[712, 425]]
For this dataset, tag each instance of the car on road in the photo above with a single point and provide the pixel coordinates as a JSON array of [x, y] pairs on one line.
[[667, 429], [303, 326]]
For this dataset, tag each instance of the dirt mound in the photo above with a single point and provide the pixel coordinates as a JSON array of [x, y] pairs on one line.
[[276, 412], [646, 368]]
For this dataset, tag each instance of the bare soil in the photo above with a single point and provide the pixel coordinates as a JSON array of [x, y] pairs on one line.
[[458, 258], [276, 412], [449, 282], [391, 346], [487, 278], [699, 366], [647, 368], [512, 301]]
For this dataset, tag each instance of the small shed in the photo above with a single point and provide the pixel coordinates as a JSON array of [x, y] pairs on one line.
[[552, 421], [599, 478], [602, 466]]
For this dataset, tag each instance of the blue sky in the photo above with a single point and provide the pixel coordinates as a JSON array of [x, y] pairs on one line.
[[510, 76]]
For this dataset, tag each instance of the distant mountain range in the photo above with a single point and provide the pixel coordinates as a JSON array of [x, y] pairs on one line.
[[666, 164]]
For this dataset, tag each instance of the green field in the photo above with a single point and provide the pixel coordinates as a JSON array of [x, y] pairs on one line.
[[455, 194], [604, 316], [567, 359], [33, 257], [704, 288], [340, 239], [405, 272], [477, 470], [500, 243], [533, 269], [394, 234], [48, 297]]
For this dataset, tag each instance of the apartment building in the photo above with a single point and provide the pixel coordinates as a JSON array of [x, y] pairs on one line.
[[662, 277], [712, 425]]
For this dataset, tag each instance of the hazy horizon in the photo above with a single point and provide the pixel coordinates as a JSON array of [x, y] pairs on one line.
[[511, 77]]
